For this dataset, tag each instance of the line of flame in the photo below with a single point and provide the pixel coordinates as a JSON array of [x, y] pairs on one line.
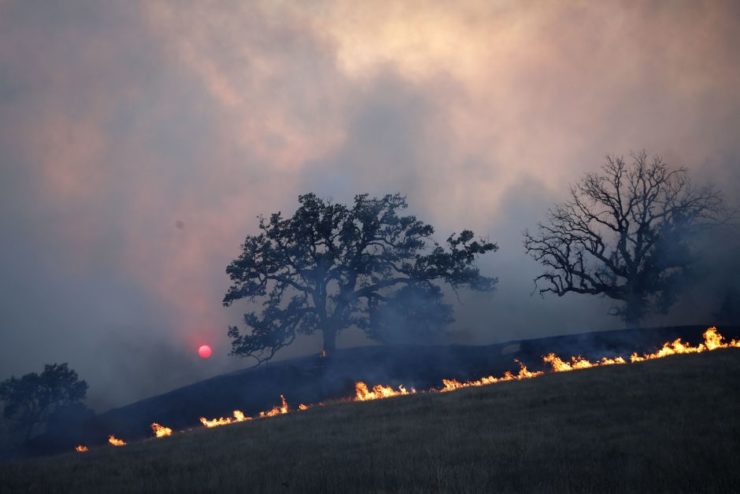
[[713, 340], [239, 416]]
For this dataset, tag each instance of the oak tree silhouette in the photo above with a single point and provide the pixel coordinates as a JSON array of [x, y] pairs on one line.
[[329, 267]]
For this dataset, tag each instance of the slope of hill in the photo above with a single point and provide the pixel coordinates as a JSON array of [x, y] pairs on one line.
[[312, 379], [669, 425]]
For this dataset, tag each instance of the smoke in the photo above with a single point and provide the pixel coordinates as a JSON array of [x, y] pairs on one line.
[[141, 140]]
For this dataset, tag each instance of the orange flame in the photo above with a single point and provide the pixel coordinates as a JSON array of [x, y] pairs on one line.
[[578, 362], [712, 341], [362, 393], [281, 409], [303, 407], [160, 430], [238, 416], [524, 373], [114, 441], [81, 448]]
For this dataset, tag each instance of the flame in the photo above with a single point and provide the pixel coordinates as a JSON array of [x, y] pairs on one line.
[[114, 441], [524, 373], [578, 362], [713, 340], [160, 430], [281, 409], [238, 416], [362, 393]]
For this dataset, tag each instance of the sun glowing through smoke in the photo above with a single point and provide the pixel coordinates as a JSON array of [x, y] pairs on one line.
[[205, 351]]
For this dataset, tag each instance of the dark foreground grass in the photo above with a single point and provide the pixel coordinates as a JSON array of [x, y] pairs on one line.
[[671, 425]]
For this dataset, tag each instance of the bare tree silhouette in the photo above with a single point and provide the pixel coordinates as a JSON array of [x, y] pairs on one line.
[[624, 234]]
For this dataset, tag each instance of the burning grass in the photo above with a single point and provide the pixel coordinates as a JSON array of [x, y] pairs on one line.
[[238, 415], [669, 425], [114, 441], [378, 392], [160, 430], [713, 340]]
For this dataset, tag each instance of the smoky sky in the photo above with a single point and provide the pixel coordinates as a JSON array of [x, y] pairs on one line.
[[140, 140]]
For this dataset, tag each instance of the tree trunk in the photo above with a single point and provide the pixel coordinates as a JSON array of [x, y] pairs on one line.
[[632, 323], [29, 433], [330, 341], [634, 308]]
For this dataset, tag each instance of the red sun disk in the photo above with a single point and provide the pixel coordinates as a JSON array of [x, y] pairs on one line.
[[204, 351]]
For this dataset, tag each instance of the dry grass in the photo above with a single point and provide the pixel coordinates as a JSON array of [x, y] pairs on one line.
[[663, 426]]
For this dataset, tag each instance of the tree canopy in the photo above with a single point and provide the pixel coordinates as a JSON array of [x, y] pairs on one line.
[[330, 267], [624, 233], [33, 399]]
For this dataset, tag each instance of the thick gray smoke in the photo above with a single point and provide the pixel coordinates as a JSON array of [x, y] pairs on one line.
[[141, 139]]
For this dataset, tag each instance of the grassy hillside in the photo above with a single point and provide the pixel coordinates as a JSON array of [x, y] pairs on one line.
[[671, 425], [312, 379]]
